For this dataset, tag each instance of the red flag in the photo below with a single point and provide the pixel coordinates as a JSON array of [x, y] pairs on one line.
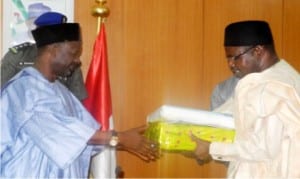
[[97, 83], [103, 165]]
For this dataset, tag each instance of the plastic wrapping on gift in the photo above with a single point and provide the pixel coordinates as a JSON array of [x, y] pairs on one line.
[[176, 136], [191, 116]]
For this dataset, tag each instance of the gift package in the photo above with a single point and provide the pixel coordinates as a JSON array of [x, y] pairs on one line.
[[171, 127]]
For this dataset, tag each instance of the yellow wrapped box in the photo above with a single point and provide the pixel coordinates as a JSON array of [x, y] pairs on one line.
[[176, 136]]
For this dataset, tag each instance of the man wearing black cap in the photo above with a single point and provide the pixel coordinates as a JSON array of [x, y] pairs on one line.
[[23, 55], [266, 108], [45, 130]]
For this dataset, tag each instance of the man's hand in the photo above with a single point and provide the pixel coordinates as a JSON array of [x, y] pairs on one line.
[[134, 142], [202, 149]]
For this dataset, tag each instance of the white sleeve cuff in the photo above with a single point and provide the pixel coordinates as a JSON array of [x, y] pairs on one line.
[[222, 151]]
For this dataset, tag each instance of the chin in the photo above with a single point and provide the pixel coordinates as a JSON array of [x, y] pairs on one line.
[[239, 75]]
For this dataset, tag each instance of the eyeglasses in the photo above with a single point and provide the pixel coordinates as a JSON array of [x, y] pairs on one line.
[[236, 57]]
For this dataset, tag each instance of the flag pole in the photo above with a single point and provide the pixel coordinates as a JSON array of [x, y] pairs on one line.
[[101, 12], [104, 164]]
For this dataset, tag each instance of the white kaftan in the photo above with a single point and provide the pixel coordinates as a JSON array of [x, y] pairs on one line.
[[267, 122]]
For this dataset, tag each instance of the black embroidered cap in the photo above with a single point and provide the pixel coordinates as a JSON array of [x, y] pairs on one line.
[[244, 33], [49, 34]]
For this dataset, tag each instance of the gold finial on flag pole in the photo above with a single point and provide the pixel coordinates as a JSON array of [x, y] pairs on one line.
[[101, 12]]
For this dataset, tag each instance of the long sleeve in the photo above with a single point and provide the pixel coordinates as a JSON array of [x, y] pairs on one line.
[[267, 122], [261, 144], [45, 129]]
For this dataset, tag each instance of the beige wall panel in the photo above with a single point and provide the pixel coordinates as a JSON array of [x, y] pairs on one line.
[[162, 48], [291, 29]]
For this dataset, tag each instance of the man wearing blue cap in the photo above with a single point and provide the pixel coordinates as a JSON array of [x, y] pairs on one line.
[[266, 108], [23, 55], [45, 130]]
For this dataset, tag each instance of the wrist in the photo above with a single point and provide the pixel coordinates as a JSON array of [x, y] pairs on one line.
[[114, 138]]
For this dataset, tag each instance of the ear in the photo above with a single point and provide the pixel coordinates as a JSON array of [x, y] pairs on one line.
[[52, 49], [259, 50]]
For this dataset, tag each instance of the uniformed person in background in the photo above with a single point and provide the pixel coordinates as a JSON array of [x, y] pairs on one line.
[[222, 92], [23, 55]]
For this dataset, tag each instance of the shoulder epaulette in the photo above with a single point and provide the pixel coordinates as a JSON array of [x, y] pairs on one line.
[[16, 48]]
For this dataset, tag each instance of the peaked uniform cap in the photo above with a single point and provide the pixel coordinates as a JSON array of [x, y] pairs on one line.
[[50, 18]]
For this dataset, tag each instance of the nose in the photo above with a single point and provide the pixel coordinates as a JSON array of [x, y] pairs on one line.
[[231, 63]]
